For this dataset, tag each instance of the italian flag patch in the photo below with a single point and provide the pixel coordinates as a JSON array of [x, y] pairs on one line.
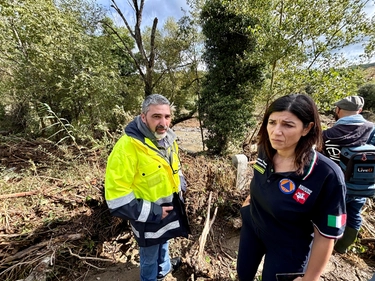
[[336, 221]]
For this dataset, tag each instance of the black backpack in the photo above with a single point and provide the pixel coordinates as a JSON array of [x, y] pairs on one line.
[[358, 165]]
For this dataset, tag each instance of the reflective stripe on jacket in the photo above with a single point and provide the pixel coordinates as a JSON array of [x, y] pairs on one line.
[[139, 180]]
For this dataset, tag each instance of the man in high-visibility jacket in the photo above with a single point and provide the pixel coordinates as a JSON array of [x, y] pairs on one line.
[[144, 184]]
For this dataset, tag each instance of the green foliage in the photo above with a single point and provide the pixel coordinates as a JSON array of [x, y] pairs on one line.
[[176, 65], [297, 37], [54, 54], [89, 244], [225, 104], [59, 128], [330, 85], [367, 91], [165, 60]]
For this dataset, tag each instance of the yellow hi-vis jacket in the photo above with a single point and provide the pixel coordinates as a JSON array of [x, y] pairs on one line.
[[139, 180]]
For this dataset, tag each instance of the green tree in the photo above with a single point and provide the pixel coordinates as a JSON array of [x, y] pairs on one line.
[[367, 91], [297, 37], [225, 105], [143, 60], [51, 53], [164, 58], [177, 63]]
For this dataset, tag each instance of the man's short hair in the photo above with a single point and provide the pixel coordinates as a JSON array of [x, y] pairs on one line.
[[352, 103], [154, 99]]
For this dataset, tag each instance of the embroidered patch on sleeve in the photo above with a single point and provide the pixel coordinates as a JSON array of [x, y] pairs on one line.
[[336, 221]]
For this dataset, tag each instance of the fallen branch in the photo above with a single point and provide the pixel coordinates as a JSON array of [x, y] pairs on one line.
[[206, 229], [89, 264], [228, 256], [12, 235], [196, 257], [87, 258], [29, 193], [367, 240], [30, 250], [368, 225], [39, 273], [20, 194]]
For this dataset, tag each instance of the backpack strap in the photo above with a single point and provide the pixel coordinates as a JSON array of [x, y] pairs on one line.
[[371, 136]]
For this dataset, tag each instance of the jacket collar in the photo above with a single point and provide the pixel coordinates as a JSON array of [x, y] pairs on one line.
[[137, 129]]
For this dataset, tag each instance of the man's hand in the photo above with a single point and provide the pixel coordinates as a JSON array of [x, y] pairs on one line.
[[166, 211], [246, 202]]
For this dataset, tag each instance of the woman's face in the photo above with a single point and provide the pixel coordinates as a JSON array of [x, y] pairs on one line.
[[284, 130]]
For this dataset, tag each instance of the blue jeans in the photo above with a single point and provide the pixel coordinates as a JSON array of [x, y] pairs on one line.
[[354, 206], [154, 260]]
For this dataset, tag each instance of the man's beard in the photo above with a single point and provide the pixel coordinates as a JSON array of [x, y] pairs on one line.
[[336, 116], [160, 136]]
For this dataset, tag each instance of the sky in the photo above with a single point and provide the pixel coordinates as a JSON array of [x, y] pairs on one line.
[[355, 50], [162, 9]]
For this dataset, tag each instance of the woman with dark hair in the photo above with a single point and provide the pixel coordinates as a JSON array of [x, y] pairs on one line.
[[296, 207]]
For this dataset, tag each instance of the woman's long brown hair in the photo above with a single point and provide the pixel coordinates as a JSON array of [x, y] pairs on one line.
[[305, 109]]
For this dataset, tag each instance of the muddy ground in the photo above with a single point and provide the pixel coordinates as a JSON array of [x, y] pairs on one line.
[[61, 228]]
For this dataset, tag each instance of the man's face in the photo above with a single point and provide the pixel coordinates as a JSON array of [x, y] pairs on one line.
[[158, 119], [336, 113]]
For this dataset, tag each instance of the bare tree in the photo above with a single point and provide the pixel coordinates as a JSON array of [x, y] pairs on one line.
[[145, 62]]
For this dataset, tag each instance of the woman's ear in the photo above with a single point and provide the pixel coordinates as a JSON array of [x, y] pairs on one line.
[[307, 129]]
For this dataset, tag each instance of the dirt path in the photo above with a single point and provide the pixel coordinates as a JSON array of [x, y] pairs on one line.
[[340, 267], [130, 271]]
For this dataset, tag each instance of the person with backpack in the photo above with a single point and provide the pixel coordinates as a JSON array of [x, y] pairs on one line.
[[351, 130]]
